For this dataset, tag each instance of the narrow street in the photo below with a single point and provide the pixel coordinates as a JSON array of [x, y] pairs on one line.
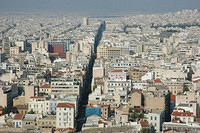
[[88, 79]]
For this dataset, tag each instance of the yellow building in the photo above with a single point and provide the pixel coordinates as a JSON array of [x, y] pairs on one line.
[[19, 100], [110, 52]]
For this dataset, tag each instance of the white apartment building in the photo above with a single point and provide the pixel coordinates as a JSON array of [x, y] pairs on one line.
[[117, 75], [65, 86], [148, 76], [42, 105], [65, 115], [156, 119]]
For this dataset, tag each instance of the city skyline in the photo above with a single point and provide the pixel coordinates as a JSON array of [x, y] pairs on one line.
[[98, 7]]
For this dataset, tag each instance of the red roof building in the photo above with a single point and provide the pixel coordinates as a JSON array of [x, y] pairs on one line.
[[65, 105], [157, 81], [144, 124], [18, 117], [187, 114], [116, 71], [46, 86]]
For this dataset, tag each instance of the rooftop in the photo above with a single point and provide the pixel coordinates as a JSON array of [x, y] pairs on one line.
[[18, 117], [65, 105]]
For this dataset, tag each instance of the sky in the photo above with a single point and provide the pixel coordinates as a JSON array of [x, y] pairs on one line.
[[98, 6]]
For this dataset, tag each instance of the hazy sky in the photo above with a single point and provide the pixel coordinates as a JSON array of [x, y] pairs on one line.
[[98, 6]]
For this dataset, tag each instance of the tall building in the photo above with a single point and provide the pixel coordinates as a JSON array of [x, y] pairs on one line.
[[59, 47], [85, 21]]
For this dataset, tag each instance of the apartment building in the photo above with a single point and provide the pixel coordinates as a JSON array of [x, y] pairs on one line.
[[65, 86], [111, 51], [65, 115]]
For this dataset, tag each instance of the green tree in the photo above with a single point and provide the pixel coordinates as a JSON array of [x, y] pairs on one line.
[[185, 88], [6, 110], [53, 113], [145, 130], [71, 132], [136, 114], [31, 112]]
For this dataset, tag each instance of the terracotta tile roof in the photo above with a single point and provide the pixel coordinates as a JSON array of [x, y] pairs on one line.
[[173, 97], [180, 109], [18, 117], [196, 77], [116, 71], [144, 124], [175, 121], [187, 114], [157, 81], [196, 81], [140, 109], [45, 86], [65, 105], [100, 122], [198, 120]]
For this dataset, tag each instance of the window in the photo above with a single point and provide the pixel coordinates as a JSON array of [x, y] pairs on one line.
[[155, 118]]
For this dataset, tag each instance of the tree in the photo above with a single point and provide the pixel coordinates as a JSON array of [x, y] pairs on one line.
[[133, 116], [175, 118], [185, 88], [53, 113], [145, 130], [31, 112], [5, 110], [71, 132]]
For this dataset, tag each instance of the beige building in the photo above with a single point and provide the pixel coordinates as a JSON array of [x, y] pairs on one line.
[[105, 111], [98, 71], [136, 73], [29, 121], [154, 101], [47, 122], [14, 51], [110, 52], [19, 100], [135, 99], [45, 89], [39, 46], [30, 91], [6, 97], [22, 109], [121, 115], [177, 87], [166, 74], [21, 45]]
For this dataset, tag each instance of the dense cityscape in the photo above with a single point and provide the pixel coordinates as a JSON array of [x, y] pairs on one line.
[[100, 74]]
